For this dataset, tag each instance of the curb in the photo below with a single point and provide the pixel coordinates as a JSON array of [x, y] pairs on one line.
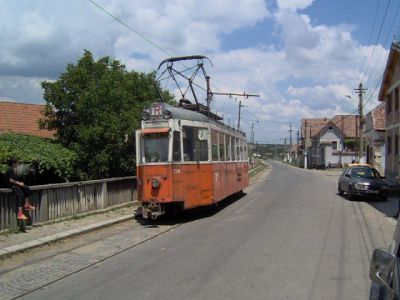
[[9, 251], [265, 166]]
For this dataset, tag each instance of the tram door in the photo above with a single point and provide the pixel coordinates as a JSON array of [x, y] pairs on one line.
[[196, 168], [177, 170]]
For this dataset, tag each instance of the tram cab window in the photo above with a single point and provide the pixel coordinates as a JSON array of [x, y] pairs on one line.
[[214, 145], [155, 147], [221, 141], [195, 144], [176, 146]]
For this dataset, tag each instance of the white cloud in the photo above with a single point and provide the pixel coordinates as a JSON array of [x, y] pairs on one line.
[[293, 4], [306, 74], [319, 96], [318, 64]]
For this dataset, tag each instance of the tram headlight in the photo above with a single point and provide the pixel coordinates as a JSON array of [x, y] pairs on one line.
[[145, 115], [167, 114], [155, 183]]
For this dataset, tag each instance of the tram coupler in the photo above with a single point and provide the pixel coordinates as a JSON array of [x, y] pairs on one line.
[[151, 210]]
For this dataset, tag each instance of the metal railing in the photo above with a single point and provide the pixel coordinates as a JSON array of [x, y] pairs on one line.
[[57, 201]]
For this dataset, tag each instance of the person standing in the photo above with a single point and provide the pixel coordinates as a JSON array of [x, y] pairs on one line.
[[21, 190]]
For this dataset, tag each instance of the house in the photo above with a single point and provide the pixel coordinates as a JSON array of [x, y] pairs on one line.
[[389, 93], [292, 154], [375, 137], [329, 141], [22, 118]]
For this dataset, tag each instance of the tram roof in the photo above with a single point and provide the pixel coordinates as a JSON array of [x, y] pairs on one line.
[[186, 114]]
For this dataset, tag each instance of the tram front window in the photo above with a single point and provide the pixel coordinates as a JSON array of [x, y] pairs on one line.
[[155, 147]]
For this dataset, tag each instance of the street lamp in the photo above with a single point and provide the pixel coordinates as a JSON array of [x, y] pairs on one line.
[[351, 98]]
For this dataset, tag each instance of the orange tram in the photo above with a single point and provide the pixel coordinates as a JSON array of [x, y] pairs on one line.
[[186, 158]]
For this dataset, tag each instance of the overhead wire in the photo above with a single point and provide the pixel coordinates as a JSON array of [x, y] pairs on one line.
[[146, 38], [370, 33], [385, 42], [376, 41], [143, 36], [150, 41]]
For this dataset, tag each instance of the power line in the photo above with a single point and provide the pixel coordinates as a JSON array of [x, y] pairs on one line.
[[143, 36], [131, 29], [371, 31], [376, 41], [386, 39]]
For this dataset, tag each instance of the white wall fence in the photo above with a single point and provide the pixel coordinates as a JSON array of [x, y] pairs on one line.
[[57, 201]]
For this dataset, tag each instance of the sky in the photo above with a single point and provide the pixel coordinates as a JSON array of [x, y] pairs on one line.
[[301, 56]]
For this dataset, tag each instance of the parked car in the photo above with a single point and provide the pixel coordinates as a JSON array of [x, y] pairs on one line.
[[385, 271], [361, 180]]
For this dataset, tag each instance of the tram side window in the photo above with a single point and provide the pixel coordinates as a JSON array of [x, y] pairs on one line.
[[214, 145], [240, 149], [245, 151], [221, 147], [176, 146], [237, 149], [233, 147], [195, 144], [228, 147]]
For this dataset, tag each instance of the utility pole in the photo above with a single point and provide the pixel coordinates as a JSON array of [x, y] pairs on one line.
[[252, 142], [297, 147], [290, 140], [361, 91], [240, 108], [305, 145], [284, 150], [252, 133]]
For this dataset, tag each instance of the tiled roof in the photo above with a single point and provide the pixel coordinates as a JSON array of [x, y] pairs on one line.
[[314, 125], [348, 124], [378, 117], [389, 73], [22, 118], [294, 148]]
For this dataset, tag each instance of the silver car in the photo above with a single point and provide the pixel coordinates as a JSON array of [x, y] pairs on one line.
[[385, 271]]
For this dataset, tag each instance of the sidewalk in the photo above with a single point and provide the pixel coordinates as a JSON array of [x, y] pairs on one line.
[[36, 236]]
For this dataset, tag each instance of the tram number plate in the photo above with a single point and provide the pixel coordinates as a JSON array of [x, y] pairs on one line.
[[177, 171]]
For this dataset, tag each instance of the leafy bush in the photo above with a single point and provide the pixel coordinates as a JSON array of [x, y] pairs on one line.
[[46, 156]]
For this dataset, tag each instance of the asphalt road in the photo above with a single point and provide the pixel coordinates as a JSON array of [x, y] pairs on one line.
[[290, 237]]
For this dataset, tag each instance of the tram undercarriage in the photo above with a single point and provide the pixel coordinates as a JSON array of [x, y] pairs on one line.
[[152, 209]]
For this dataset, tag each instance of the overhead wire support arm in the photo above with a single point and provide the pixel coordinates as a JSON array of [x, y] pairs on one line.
[[235, 94]]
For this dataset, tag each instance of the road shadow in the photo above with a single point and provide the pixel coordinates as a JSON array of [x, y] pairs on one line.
[[192, 214], [390, 207]]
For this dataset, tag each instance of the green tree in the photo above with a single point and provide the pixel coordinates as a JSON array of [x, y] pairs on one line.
[[95, 106]]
